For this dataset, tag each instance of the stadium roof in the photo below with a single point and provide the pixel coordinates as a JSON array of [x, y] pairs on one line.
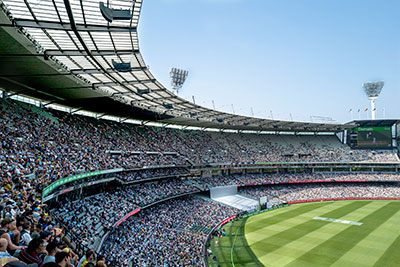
[[66, 52], [374, 123]]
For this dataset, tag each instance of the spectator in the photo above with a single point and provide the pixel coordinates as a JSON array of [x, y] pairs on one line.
[[63, 258], [52, 249], [5, 228], [37, 230], [88, 252], [46, 236], [88, 258], [31, 254], [3, 249], [25, 234]]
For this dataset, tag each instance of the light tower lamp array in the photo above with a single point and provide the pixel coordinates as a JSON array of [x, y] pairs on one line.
[[372, 90], [178, 77]]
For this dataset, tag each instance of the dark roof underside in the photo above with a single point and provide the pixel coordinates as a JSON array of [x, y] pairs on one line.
[[61, 51]]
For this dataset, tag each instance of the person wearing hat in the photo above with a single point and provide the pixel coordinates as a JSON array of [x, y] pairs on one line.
[[5, 228]]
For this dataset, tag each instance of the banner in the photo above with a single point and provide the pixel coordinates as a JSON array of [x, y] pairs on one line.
[[327, 181], [126, 217], [76, 187], [63, 181], [226, 221]]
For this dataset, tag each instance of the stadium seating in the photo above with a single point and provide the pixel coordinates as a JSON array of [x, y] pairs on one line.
[[39, 146]]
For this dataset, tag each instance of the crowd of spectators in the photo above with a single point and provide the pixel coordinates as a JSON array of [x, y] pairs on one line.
[[155, 173], [39, 146], [31, 237], [132, 161], [253, 148], [298, 192], [88, 219], [243, 179], [147, 193], [166, 235], [51, 145]]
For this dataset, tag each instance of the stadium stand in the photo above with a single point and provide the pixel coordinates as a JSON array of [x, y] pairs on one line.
[[51, 141], [251, 179], [290, 193], [81, 144], [41, 146], [157, 238]]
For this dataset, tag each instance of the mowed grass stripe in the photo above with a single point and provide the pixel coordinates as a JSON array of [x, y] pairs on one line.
[[242, 253], [371, 248], [298, 247], [276, 241], [334, 248], [222, 250], [271, 221], [392, 256], [280, 215], [266, 227]]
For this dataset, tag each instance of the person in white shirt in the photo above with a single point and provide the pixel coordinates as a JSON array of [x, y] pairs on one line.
[[25, 234]]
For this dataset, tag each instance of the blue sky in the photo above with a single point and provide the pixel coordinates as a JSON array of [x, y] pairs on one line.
[[298, 58]]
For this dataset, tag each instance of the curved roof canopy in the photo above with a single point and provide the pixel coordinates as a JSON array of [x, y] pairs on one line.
[[80, 59]]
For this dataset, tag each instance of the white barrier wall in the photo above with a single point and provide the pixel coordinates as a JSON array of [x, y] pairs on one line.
[[222, 191]]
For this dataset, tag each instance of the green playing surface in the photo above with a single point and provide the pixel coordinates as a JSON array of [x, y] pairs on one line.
[[292, 237]]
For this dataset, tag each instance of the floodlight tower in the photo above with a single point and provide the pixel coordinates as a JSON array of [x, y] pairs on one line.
[[178, 77], [372, 90]]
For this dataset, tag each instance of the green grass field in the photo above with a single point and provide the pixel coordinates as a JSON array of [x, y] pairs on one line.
[[291, 237]]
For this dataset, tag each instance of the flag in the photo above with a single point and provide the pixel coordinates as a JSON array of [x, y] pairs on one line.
[[374, 109], [358, 110], [350, 110], [366, 109]]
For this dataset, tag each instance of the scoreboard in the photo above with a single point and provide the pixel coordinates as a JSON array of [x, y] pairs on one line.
[[370, 137]]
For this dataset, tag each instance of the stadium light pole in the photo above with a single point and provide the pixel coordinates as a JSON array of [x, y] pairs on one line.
[[178, 77], [372, 90]]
